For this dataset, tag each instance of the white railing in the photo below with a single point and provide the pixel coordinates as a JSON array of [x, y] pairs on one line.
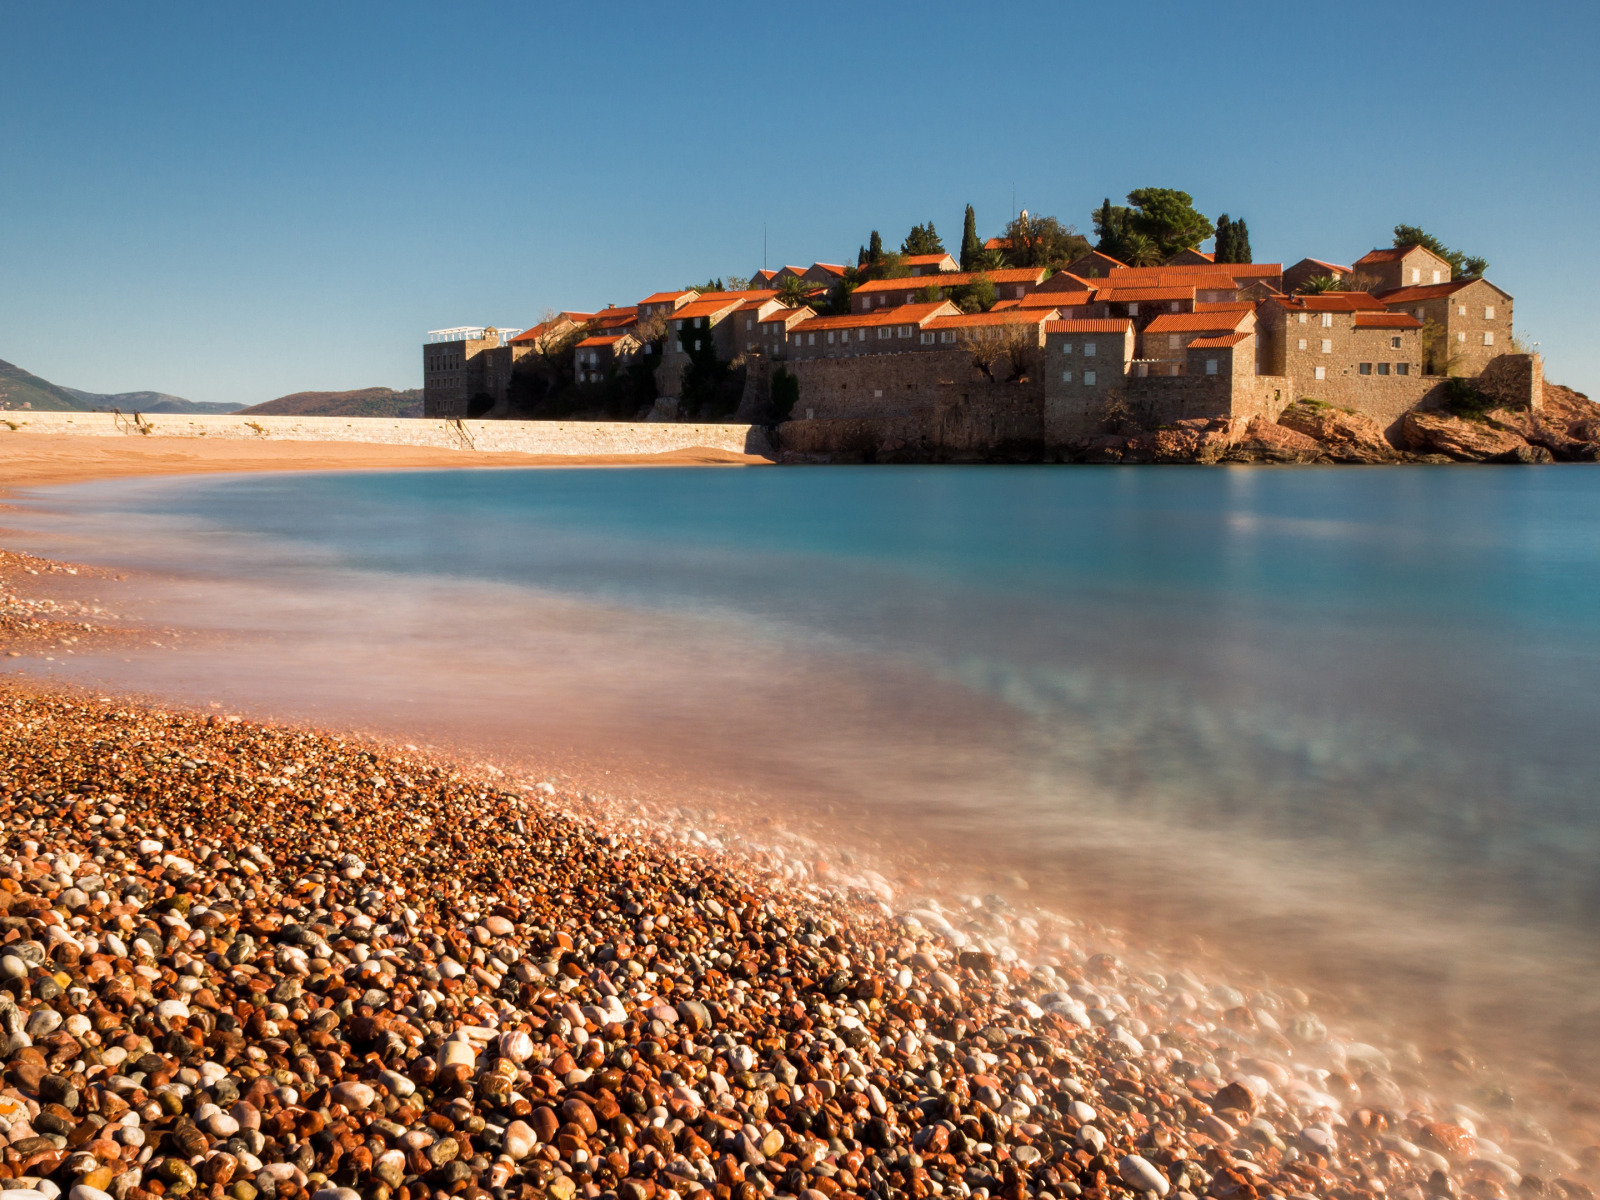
[[474, 333]]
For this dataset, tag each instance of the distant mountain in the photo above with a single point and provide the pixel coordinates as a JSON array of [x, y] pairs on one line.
[[21, 390], [365, 402], [151, 402]]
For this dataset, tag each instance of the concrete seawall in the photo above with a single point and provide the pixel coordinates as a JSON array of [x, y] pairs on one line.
[[525, 437]]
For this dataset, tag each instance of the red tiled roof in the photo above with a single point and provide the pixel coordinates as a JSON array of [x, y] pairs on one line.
[[1219, 343], [1386, 320], [617, 310], [704, 308], [665, 297], [831, 268], [1427, 291], [602, 341], [1203, 281], [1388, 254], [1332, 302], [997, 244], [1232, 270], [1223, 306], [1002, 305], [1134, 295], [925, 260], [783, 314], [543, 327], [1052, 299], [1196, 322], [1010, 316], [747, 294], [903, 314], [951, 279], [1102, 325], [1331, 266]]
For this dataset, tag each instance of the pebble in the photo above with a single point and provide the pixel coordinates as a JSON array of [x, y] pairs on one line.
[[299, 968]]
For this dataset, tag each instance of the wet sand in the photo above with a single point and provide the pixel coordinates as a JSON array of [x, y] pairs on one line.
[[32, 460]]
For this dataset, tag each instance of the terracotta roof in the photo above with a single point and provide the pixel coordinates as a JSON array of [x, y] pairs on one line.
[[925, 260], [665, 297], [1103, 325], [1388, 254], [830, 268], [1204, 281], [602, 341], [1428, 291], [1386, 320], [704, 308], [1233, 270], [903, 314], [1224, 306], [1003, 305], [997, 244], [1196, 322], [1011, 316], [1052, 299], [543, 327], [1219, 343], [747, 294], [951, 279], [1331, 266], [617, 310], [1332, 302], [1134, 295], [783, 314]]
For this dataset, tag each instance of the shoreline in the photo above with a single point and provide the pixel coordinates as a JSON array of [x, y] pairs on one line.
[[38, 460], [491, 929]]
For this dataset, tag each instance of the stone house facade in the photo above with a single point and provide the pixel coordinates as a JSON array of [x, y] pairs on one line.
[[595, 357], [1009, 284], [1085, 363], [1470, 318], [1164, 342], [465, 370], [1312, 268], [1093, 265], [895, 330], [1401, 266], [930, 264]]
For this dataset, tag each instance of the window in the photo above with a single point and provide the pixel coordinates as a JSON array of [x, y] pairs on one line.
[[1418, 313], [1066, 347], [1174, 341], [811, 339], [884, 331], [1173, 306], [697, 341], [1394, 343], [1327, 320], [1088, 351], [1088, 379], [905, 331], [1416, 275], [947, 335], [1383, 368], [1327, 345], [678, 325], [830, 337], [1133, 309], [1211, 366], [1488, 312], [1488, 337], [1436, 277], [1461, 310], [749, 323], [1321, 372], [1302, 317], [1461, 337], [1066, 377], [1365, 369], [1301, 344], [927, 338], [1402, 368]]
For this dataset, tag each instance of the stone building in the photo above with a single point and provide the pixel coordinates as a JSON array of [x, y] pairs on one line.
[[1011, 283], [1312, 268], [881, 331], [930, 264], [594, 357], [1470, 322], [1164, 342], [1400, 266], [465, 370]]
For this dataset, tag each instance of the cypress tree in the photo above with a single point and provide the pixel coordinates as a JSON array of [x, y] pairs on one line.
[[861, 256], [971, 247], [875, 247], [1225, 242], [1241, 242], [1105, 222]]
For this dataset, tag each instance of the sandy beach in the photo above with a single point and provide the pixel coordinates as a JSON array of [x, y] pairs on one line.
[[31, 460]]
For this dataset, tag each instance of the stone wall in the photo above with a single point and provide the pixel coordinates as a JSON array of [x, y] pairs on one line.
[[1514, 380], [527, 437]]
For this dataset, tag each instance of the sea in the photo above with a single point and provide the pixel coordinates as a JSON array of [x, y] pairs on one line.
[[1336, 727]]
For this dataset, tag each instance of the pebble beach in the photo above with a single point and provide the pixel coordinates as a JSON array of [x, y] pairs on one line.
[[263, 962]]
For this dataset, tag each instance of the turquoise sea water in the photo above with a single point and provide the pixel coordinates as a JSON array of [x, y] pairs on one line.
[[1380, 688]]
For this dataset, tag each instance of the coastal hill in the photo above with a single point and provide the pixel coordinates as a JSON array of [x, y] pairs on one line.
[[364, 402], [21, 390]]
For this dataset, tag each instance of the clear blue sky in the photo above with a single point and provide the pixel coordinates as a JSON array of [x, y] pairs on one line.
[[231, 202]]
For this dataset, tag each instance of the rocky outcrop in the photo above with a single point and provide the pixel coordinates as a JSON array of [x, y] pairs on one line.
[[1538, 429], [1468, 441], [1347, 437], [1198, 440], [1574, 411], [1264, 441]]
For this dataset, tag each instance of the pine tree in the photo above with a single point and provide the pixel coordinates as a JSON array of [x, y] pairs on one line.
[[875, 247], [1223, 253], [1241, 242], [971, 247]]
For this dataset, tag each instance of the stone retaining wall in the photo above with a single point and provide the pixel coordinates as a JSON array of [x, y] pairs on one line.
[[527, 437]]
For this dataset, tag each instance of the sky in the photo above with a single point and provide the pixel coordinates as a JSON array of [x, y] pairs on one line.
[[234, 202]]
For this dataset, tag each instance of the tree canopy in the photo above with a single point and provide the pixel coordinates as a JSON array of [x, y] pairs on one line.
[[971, 244], [1462, 265], [1039, 241], [1156, 224], [922, 239], [1233, 241]]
